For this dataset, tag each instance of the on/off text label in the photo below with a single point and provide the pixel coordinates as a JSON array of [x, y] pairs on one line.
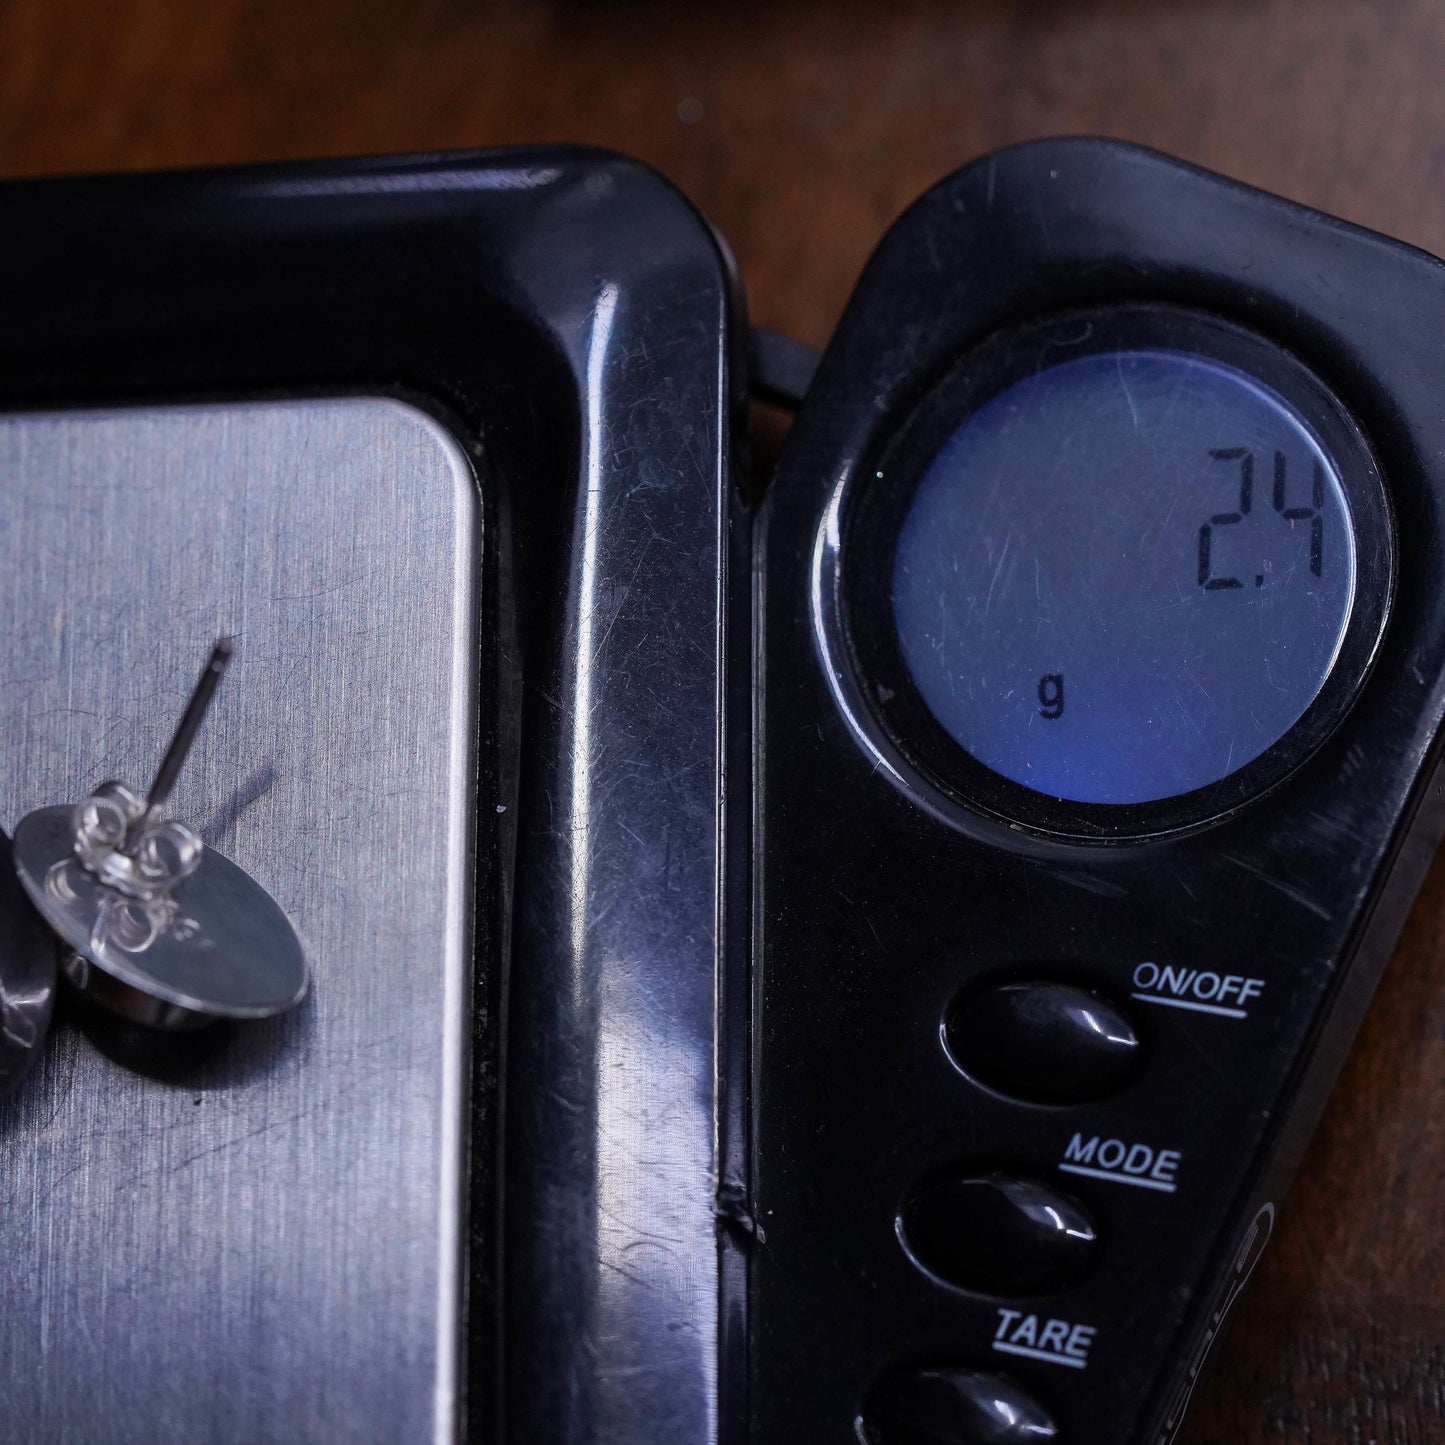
[[1201, 990]]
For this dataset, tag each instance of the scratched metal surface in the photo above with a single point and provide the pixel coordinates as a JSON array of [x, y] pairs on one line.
[[264, 1248]]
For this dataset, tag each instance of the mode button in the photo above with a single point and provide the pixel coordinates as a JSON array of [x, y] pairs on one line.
[[998, 1234]]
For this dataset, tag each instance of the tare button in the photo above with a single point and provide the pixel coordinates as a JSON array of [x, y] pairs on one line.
[[1122, 1161], [954, 1405], [1039, 1337]]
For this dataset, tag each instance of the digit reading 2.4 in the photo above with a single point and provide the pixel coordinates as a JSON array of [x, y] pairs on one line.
[[1245, 459]]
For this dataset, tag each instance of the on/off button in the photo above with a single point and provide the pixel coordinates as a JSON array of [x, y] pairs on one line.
[[1045, 1042]]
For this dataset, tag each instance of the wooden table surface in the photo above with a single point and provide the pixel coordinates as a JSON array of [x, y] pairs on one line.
[[802, 129]]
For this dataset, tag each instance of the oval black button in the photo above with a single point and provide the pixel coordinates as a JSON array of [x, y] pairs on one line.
[[1050, 1043], [998, 1234], [945, 1406]]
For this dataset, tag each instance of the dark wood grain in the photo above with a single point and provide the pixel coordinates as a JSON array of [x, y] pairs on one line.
[[802, 129]]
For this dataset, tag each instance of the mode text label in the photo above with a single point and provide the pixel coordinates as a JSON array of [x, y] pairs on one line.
[[1121, 1162]]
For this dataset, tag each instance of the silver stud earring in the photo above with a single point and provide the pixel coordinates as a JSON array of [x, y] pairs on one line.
[[27, 977], [153, 925]]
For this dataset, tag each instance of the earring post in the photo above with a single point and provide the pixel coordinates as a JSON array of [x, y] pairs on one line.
[[187, 728]]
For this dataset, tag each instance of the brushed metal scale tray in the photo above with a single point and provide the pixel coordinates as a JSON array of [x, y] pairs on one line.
[[268, 1249]]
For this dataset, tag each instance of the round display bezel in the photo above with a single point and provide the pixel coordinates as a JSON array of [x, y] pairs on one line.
[[877, 499]]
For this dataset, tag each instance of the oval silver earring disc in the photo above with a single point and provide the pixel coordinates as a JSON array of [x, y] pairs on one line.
[[27, 978], [157, 927]]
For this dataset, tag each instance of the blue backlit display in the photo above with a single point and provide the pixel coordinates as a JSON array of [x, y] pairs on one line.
[[1125, 577]]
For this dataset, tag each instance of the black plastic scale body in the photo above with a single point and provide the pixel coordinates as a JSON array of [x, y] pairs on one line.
[[1031, 1075], [564, 326], [1000, 1129]]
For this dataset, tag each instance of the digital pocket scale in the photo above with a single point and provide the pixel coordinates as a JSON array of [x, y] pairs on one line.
[[1100, 644], [858, 970]]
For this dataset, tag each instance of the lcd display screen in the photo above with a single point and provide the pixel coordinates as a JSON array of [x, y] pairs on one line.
[[1125, 577]]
